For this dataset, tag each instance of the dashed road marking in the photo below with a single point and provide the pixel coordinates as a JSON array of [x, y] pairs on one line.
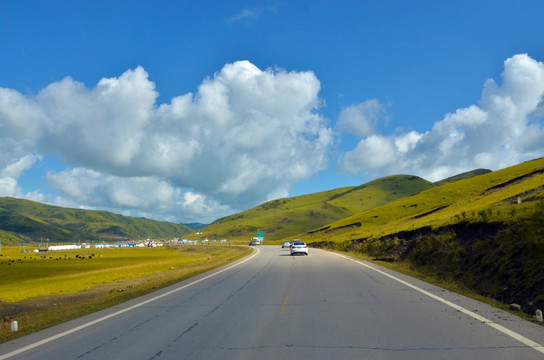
[[285, 301]]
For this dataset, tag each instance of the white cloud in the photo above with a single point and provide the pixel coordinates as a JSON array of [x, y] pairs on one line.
[[505, 129], [102, 128], [373, 152], [135, 196], [8, 187], [362, 120], [244, 135], [12, 172], [539, 112], [407, 142], [252, 14], [244, 14]]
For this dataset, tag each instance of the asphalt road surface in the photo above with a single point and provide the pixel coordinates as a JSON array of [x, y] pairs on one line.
[[271, 305]]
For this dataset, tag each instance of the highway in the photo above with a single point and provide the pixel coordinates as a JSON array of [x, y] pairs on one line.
[[271, 305]]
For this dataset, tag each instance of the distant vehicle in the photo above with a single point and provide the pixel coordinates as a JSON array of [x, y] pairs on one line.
[[256, 240], [286, 244], [252, 243], [299, 247]]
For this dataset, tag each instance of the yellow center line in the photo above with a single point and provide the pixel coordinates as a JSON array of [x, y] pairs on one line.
[[285, 301]]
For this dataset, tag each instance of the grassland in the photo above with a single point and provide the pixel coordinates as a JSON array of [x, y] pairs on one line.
[[42, 289]]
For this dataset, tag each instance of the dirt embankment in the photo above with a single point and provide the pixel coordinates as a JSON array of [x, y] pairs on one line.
[[501, 261]]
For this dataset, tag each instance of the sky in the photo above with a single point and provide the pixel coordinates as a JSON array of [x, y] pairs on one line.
[[189, 111]]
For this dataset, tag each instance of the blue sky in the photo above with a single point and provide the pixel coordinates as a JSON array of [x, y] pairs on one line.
[[193, 110]]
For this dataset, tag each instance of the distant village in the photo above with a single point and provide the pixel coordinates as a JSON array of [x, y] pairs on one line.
[[133, 244]]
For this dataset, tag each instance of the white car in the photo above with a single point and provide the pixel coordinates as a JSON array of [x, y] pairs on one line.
[[299, 247], [286, 244]]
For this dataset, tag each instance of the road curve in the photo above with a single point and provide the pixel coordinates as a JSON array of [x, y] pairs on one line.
[[271, 305]]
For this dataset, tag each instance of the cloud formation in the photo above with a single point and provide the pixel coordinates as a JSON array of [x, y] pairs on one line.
[[362, 120], [245, 136], [504, 129]]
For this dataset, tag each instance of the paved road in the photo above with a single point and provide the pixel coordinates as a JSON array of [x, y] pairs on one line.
[[274, 306]]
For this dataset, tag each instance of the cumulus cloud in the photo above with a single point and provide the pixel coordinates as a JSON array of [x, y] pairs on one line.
[[244, 136], [504, 129], [12, 172], [151, 195], [363, 119]]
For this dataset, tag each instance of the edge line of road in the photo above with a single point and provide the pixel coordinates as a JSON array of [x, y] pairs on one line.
[[106, 317], [480, 318]]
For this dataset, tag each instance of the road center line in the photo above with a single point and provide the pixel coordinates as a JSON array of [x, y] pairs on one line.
[[285, 301], [480, 318], [94, 322]]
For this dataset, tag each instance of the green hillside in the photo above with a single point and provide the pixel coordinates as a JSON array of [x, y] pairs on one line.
[[27, 221], [462, 176], [488, 197], [282, 218]]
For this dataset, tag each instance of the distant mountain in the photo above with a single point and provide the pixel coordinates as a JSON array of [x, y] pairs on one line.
[[195, 226], [24, 220], [462, 176]]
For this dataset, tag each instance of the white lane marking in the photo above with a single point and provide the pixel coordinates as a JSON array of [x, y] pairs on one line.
[[94, 322], [484, 320]]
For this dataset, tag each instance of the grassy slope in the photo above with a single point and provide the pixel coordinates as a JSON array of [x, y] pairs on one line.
[[447, 204], [31, 221], [282, 218]]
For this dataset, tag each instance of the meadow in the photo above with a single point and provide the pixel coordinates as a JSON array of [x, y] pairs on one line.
[[42, 289]]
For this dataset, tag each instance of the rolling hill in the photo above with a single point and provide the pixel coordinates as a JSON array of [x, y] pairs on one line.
[[286, 217], [27, 221], [490, 197]]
